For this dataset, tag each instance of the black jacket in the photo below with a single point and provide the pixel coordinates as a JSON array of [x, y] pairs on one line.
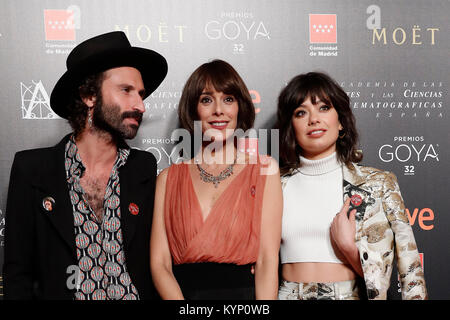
[[40, 244]]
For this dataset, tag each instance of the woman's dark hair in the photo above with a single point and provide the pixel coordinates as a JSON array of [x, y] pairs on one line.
[[224, 78], [314, 85], [90, 86]]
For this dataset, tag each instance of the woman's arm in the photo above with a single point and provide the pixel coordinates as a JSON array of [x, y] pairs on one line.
[[407, 255], [160, 257], [266, 268]]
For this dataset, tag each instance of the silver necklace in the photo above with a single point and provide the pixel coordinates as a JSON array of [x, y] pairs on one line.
[[208, 177]]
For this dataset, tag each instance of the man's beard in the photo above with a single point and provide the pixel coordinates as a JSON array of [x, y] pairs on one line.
[[107, 118]]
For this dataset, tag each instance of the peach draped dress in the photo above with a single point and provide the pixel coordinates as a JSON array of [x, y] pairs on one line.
[[230, 232]]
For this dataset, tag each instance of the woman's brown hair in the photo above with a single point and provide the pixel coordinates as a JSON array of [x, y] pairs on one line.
[[224, 78], [314, 85]]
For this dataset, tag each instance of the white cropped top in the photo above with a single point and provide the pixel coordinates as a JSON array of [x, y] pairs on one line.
[[311, 199]]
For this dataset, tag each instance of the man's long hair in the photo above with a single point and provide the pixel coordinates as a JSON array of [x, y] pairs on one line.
[[78, 110]]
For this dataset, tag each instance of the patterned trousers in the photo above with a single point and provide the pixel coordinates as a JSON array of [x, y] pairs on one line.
[[343, 290]]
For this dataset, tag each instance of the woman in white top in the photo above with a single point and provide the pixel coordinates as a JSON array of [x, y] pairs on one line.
[[343, 224]]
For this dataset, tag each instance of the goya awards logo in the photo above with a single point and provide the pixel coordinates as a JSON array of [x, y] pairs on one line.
[[322, 28], [239, 28], [412, 152], [323, 31], [35, 102]]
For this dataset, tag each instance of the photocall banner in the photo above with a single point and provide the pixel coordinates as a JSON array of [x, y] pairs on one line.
[[391, 57]]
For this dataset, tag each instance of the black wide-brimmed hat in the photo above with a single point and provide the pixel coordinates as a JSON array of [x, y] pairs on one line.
[[103, 52]]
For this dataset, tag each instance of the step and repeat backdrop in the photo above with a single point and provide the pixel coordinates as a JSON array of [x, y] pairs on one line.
[[391, 57]]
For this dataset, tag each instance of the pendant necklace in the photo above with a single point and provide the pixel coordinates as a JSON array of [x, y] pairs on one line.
[[208, 177]]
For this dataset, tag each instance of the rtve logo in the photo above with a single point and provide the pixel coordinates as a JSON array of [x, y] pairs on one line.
[[424, 217], [256, 99]]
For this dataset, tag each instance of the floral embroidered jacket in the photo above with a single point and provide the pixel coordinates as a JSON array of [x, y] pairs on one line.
[[383, 233]]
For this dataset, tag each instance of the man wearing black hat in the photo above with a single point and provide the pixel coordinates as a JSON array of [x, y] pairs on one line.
[[78, 214]]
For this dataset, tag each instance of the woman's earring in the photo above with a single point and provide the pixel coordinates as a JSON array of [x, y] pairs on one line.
[[342, 135], [90, 118]]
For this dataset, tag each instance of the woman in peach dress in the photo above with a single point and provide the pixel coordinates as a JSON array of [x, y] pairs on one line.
[[217, 215]]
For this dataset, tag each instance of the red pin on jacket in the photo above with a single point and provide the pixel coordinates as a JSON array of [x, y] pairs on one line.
[[133, 208], [356, 200]]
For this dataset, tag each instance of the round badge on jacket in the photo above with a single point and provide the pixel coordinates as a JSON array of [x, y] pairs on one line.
[[133, 208], [48, 203], [356, 200]]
